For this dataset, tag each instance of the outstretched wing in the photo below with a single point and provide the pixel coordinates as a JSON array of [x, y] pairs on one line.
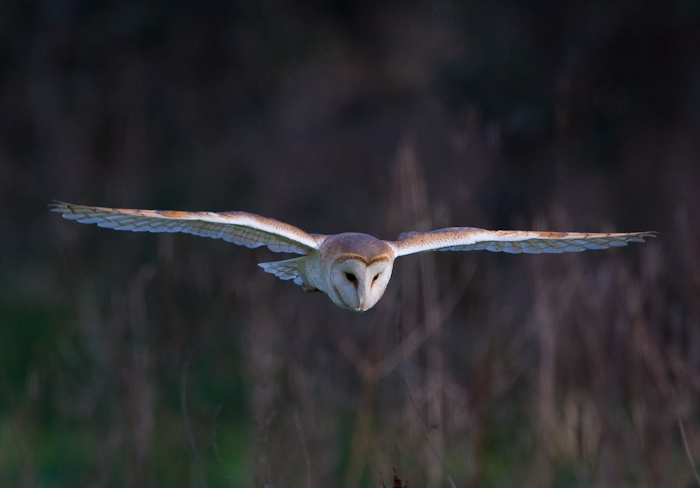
[[511, 241], [241, 228]]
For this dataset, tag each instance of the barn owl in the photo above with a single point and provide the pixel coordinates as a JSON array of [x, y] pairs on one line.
[[353, 269]]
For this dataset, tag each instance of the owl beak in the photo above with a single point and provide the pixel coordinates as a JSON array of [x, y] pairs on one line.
[[361, 297], [360, 303]]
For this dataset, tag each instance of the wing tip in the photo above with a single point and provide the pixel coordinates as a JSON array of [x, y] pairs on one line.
[[639, 236], [65, 209], [58, 206]]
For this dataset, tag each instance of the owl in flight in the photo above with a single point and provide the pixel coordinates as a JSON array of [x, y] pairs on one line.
[[352, 269]]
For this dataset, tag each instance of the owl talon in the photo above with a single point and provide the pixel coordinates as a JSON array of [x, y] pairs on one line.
[[309, 288]]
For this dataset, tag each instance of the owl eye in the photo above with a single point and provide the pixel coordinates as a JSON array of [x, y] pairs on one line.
[[375, 278], [350, 276]]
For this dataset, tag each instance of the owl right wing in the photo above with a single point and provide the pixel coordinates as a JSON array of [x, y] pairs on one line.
[[510, 241], [240, 228]]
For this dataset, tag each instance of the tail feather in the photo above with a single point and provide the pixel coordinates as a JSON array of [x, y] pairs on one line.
[[285, 270]]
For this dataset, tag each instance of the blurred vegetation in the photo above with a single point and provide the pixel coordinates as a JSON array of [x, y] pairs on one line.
[[170, 360]]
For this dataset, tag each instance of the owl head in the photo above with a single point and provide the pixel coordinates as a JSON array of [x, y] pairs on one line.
[[357, 268]]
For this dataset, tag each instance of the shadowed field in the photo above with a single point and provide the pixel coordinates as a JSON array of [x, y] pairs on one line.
[[132, 359]]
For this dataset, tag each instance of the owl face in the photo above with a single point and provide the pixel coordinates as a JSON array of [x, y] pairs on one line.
[[357, 268], [358, 285]]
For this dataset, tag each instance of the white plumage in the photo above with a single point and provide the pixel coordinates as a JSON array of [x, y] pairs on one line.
[[352, 269]]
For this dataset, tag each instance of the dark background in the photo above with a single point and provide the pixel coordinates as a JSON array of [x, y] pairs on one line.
[[169, 360]]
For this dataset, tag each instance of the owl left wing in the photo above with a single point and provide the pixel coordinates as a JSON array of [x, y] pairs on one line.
[[241, 228], [510, 241]]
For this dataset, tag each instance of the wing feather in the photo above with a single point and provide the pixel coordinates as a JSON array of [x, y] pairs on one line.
[[242, 228], [285, 270], [510, 241]]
